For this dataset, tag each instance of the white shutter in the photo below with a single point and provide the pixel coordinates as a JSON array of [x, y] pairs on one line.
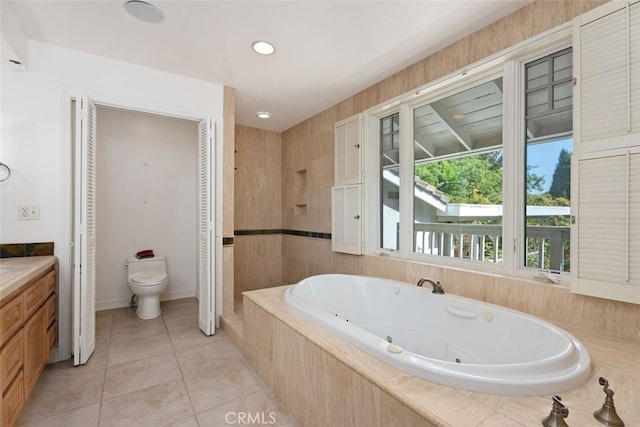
[[607, 50], [346, 219], [608, 226], [634, 69], [205, 225], [348, 151], [84, 240], [605, 240]]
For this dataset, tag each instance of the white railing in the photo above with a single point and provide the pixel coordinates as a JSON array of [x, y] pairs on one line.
[[484, 243]]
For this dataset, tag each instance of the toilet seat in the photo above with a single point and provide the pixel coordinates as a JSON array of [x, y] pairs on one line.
[[148, 278]]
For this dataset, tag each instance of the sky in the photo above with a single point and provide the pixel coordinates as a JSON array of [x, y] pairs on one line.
[[545, 156]]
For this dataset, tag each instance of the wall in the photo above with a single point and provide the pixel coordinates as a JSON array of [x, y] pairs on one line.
[[257, 210], [309, 146], [35, 137], [146, 183]]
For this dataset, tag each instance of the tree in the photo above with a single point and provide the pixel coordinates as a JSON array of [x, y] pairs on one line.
[[561, 181], [470, 179]]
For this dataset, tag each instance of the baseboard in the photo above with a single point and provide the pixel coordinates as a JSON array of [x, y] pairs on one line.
[[166, 296]]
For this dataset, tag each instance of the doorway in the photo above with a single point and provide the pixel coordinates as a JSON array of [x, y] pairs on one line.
[[142, 173]]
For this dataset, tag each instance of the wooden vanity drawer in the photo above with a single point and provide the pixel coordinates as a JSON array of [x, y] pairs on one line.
[[50, 307], [52, 336], [13, 400], [11, 360], [50, 280], [10, 318], [34, 297]]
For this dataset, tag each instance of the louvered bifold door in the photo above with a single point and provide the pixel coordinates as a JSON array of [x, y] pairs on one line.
[[84, 306], [346, 219], [206, 292]]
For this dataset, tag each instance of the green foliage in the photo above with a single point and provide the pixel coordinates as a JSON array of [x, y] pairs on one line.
[[472, 179], [561, 182]]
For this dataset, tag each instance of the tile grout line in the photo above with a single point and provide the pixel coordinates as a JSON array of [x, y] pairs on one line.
[[104, 379]]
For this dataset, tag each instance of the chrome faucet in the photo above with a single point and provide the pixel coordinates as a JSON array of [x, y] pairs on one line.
[[437, 287]]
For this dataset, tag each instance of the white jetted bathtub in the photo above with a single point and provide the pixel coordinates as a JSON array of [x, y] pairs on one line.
[[446, 339]]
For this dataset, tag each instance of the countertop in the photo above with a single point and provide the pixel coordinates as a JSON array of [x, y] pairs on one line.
[[15, 272]]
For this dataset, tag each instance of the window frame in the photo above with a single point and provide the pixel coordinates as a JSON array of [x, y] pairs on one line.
[[510, 65]]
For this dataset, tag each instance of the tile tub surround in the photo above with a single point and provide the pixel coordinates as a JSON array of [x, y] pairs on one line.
[[175, 375], [322, 380]]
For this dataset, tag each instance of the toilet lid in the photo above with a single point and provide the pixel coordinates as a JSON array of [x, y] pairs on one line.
[[146, 278]]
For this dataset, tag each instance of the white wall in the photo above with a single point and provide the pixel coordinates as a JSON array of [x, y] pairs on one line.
[[34, 137], [146, 179]]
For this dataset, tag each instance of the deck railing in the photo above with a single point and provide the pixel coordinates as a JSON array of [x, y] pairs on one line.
[[546, 245]]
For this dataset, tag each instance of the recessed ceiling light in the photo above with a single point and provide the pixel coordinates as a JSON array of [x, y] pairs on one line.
[[144, 11], [263, 114], [263, 48]]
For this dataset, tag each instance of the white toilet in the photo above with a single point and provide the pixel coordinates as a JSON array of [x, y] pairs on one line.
[[147, 279]]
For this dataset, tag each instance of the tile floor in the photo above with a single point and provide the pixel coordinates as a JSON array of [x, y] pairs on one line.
[[160, 372]]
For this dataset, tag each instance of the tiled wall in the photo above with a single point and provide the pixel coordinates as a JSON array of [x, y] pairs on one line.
[[308, 148], [228, 202], [258, 218], [13, 250]]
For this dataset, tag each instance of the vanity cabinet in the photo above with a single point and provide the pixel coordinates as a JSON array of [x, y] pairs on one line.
[[28, 333]]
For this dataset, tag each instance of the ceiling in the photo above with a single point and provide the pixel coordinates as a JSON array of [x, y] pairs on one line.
[[326, 50]]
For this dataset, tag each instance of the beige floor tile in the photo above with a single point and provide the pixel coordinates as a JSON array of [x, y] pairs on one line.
[[184, 331], [141, 374], [189, 422], [104, 321], [128, 329], [179, 307], [86, 416], [63, 389], [159, 405], [136, 376], [229, 382], [261, 408], [209, 357], [138, 349]]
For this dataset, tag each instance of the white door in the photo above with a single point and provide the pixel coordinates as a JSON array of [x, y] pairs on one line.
[[84, 312], [206, 294]]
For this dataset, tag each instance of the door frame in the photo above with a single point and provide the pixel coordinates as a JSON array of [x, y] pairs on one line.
[[65, 270]]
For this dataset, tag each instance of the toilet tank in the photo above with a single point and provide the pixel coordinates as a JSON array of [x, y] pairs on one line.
[[144, 265]]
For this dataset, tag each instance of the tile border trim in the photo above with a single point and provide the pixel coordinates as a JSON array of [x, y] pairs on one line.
[[312, 234]]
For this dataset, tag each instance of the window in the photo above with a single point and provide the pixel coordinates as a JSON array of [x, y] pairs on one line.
[[474, 170], [549, 145], [390, 182], [457, 158]]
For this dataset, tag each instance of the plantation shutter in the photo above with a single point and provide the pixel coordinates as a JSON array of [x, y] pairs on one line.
[[348, 151], [346, 219], [605, 237]]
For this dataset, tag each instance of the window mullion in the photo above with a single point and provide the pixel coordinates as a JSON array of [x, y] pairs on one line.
[[513, 162], [406, 180]]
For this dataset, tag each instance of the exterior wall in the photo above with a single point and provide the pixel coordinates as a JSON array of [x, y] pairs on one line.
[[257, 210]]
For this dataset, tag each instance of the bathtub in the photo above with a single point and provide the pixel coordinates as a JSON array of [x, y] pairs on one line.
[[446, 339]]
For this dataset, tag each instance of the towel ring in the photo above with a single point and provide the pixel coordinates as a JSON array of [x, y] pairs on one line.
[[2, 165]]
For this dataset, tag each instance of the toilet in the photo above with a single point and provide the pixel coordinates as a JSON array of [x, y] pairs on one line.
[[147, 279]]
